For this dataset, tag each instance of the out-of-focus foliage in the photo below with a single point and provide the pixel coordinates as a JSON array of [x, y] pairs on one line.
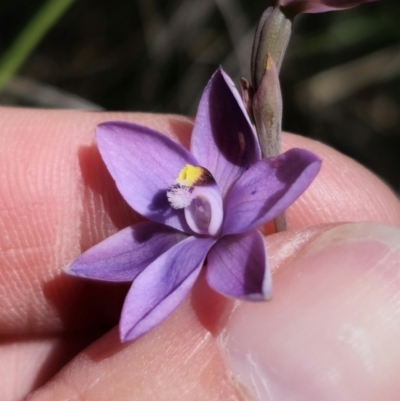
[[29, 37], [340, 78]]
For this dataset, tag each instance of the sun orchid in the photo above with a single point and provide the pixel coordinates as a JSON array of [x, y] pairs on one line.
[[203, 205]]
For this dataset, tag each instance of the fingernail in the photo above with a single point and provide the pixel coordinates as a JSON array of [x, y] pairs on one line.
[[332, 330]]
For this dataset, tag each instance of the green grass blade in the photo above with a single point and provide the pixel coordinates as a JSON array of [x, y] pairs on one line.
[[30, 37]]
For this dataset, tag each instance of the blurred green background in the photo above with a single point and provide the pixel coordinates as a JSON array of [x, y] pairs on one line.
[[340, 78]]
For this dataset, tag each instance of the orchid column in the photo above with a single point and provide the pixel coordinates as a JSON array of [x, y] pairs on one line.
[[263, 98]]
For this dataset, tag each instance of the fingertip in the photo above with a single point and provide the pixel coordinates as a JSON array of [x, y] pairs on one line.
[[333, 325], [177, 359], [57, 199]]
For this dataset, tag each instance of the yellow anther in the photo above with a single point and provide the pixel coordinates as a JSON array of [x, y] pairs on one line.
[[189, 175]]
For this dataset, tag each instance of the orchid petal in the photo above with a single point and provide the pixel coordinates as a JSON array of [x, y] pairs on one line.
[[205, 214], [237, 267], [319, 6], [268, 188], [125, 254], [159, 289], [223, 140], [144, 163]]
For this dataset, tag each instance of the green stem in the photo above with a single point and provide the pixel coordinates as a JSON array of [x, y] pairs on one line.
[[30, 37]]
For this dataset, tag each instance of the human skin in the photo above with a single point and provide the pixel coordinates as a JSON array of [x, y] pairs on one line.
[[329, 333]]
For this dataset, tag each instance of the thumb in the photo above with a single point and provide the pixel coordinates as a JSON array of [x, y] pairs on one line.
[[331, 332]]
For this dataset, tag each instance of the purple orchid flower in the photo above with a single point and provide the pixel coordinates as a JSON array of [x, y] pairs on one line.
[[203, 204], [319, 6]]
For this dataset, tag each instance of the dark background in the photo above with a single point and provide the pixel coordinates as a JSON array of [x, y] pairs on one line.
[[340, 78]]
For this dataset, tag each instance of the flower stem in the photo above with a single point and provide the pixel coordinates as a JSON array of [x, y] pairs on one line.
[[269, 47]]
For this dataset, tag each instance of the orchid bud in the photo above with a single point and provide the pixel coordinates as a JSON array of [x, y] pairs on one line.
[[294, 7], [263, 100], [267, 111], [272, 37]]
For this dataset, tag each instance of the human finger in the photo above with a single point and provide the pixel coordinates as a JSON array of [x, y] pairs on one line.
[[330, 332]]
